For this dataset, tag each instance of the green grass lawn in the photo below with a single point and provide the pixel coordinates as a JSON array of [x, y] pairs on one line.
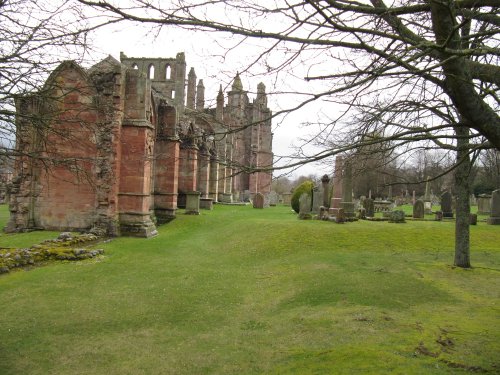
[[244, 291]]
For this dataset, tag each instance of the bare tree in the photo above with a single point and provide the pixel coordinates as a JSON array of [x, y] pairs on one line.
[[425, 72], [35, 37]]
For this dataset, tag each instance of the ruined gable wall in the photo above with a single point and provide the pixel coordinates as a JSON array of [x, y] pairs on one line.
[[63, 193]]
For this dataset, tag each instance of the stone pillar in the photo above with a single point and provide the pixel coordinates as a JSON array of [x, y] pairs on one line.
[[135, 181], [203, 172], [219, 111], [325, 180], [167, 179], [200, 96], [188, 172], [221, 183], [213, 182], [191, 90], [347, 203], [337, 186]]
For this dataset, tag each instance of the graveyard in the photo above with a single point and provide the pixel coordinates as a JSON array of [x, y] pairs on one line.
[[243, 290]]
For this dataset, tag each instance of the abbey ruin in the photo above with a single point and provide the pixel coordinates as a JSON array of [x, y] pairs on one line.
[[122, 145]]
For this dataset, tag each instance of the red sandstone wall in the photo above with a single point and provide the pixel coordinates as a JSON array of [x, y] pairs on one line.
[[67, 198]]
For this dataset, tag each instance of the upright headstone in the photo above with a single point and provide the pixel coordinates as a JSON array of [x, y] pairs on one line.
[[389, 194], [317, 200], [413, 200], [273, 198], [484, 204], [287, 199], [494, 218], [305, 206], [473, 219], [427, 197], [335, 203], [258, 200], [446, 204], [347, 203], [325, 180], [418, 209], [369, 207]]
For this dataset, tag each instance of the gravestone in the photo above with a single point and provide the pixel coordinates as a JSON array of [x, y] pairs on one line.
[[317, 199], [335, 203], [273, 198], [484, 204], [347, 203], [369, 207], [258, 200], [418, 209], [397, 216], [361, 213], [438, 216], [325, 180], [340, 218], [193, 203], [473, 219], [305, 207], [494, 218], [446, 204], [287, 199]]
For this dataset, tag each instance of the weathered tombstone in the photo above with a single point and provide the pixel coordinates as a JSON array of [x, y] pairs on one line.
[[273, 198], [258, 200], [413, 199], [473, 219], [193, 203], [418, 209], [317, 199], [389, 194], [397, 216], [325, 180], [305, 207], [484, 204], [287, 199], [494, 218], [340, 218], [335, 203], [446, 204], [347, 203], [369, 207], [438, 216]]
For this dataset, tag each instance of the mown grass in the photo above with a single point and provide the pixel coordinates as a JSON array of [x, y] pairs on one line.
[[238, 290]]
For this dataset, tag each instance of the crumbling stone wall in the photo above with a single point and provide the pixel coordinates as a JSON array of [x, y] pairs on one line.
[[112, 150]]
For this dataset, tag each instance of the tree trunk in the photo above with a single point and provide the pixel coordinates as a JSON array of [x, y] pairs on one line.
[[462, 187]]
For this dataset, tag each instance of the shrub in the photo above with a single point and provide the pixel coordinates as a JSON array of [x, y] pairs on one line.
[[305, 187]]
